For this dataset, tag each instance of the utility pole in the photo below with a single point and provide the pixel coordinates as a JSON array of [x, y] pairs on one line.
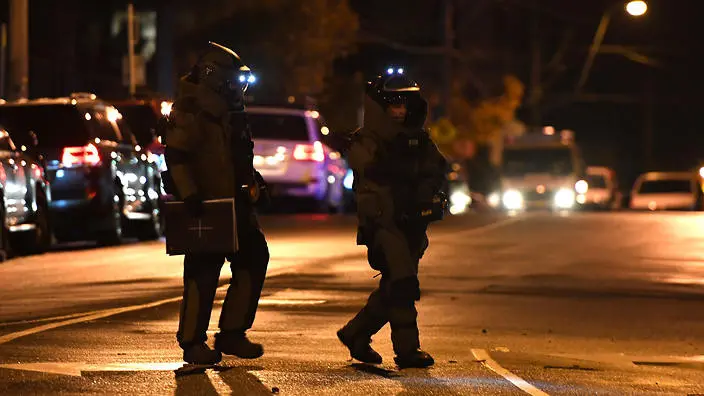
[[19, 49], [536, 88], [649, 121], [130, 49], [449, 48]]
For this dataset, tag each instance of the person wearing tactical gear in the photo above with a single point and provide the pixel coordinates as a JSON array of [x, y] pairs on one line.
[[398, 177], [209, 152]]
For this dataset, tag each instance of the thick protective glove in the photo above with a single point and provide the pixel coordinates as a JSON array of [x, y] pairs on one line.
[[194, 205]]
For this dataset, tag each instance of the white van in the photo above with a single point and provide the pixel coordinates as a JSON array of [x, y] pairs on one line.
[[665, 191]]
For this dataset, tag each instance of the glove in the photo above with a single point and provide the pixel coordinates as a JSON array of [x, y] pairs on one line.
[[194, 205]]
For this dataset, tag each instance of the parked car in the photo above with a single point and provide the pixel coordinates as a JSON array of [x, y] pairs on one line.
[[290, 154], [666, 191], [25, 194], [103, 185], [602, 191]]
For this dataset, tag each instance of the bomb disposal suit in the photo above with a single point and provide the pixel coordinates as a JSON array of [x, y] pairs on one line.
[[209, 152], [398, 173]]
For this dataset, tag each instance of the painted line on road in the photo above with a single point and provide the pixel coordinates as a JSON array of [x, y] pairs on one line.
[[49, 319], [100, 314], [493, 226], [481, 355]]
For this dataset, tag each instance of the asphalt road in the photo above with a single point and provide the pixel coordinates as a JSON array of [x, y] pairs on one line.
[[592, 303]]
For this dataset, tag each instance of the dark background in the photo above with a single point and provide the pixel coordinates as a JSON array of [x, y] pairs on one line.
[[71, 50]]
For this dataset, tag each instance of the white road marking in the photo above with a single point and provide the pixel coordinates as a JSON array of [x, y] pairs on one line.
[[88, 317], [483, 356], [75, 369]]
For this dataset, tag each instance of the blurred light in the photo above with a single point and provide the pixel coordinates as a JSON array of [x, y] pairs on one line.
[[459, 198], [331, 179], [540, 189], [581, 187], [74, 101], [138, 148], [334, 155], [399, 71], [23, 148], [549, 130], [251, 79], [325, 131], [159, 140], [637, 7], [166, 108], [60, 173], [113, 155], [258, 160], [652, 205], [243, 78], [701, 171], [348, 180], [390, 71], [494, 200], [581, 199], [313, 114], [281, 150], [453, 176], [113, 114], [564, 199], [88, 117], [97, 140], [457, 209], [513, 200], [142, 180]]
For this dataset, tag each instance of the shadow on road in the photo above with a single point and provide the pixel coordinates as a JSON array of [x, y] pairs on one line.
[[199, 381]]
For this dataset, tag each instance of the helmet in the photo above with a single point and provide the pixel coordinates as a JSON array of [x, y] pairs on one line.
[[222, 70], [396, 88]]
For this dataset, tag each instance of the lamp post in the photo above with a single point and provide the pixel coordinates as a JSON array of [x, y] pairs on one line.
[[635, 8]]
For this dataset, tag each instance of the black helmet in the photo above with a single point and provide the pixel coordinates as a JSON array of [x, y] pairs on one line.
[[396, 88], [222, 70]]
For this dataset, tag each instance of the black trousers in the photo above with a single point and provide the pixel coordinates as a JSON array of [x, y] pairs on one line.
[[396, 254], [200, 281]]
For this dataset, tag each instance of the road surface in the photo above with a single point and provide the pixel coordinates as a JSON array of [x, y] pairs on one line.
[[589, 303]]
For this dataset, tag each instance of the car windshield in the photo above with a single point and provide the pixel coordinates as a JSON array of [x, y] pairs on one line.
[[555, 161], [596, 181], [665, 186], [142, 120], [56, 126], [278, 127]]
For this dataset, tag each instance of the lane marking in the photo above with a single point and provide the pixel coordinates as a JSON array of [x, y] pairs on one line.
[[481, 355], [104, 313], [76, 369], [494, 225], [49, 319]]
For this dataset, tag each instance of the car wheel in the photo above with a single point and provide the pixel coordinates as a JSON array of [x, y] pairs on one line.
[[38, 240], [113, 234]]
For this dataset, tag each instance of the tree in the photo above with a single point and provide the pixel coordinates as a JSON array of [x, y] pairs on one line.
[[293, 42]]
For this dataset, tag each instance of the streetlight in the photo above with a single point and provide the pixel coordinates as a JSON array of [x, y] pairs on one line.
[[637, 7], [634, 8]]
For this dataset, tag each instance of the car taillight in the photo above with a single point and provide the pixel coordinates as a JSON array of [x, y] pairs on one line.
[[309, 152], [79, 156]]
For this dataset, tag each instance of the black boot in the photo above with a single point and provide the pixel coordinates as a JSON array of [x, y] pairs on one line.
[[360, 348], [201, 354], [237, 344], [414, 359]]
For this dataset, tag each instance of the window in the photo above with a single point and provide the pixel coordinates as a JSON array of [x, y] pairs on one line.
[[278, 127], [128, 137], [666, 186], [596, 181], [56, 126], [555, 161], [102, 128], [142, 121]]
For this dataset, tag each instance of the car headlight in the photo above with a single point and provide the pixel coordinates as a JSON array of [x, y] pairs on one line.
[[459, 201], [564, 199], [494, 200], [581, 187], [513, 200]]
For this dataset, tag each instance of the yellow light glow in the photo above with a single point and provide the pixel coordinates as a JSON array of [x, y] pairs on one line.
[[701, 171], [325, 131], [637, 7]]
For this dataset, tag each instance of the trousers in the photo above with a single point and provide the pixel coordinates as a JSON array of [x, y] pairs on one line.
[[396, 253], [201, 276]]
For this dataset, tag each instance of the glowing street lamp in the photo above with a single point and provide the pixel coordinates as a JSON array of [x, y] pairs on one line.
[[637, 7]]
